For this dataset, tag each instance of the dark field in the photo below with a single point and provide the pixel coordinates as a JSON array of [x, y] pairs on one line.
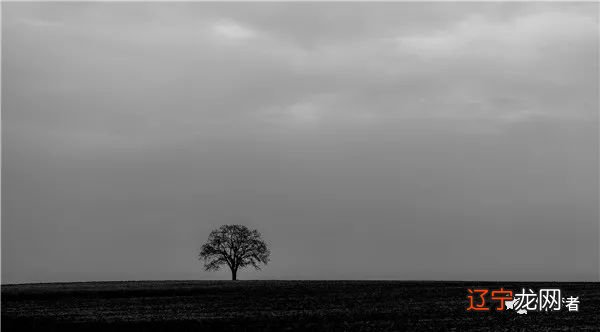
[[278, 305]]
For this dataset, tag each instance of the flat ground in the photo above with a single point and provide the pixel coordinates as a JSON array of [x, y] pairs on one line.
[[278, 305]]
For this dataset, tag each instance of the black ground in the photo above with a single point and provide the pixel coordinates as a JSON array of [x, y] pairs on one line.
[[279, 306]]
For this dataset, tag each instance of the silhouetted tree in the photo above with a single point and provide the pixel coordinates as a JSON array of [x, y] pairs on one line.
[[235, 246]]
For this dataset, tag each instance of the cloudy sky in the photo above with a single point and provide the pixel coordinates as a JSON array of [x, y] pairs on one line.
[[379, 141]]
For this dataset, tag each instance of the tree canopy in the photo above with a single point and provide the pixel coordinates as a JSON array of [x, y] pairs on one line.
[[235, 246]]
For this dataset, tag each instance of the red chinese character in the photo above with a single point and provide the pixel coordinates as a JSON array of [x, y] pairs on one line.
[[481, 306], [503, 295]]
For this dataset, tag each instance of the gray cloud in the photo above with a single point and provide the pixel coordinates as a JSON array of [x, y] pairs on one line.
[[454, 140]]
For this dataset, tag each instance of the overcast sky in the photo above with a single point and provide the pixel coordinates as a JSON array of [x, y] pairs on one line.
[[379, 141]]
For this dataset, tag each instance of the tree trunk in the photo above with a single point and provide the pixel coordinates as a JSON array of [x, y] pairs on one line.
[[233, 274]]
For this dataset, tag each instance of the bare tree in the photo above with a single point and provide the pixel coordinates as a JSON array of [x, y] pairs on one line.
[[235, 246]]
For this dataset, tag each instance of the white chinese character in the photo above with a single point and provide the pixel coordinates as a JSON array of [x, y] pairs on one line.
[[524, 301], [572, 303], [550, 299]]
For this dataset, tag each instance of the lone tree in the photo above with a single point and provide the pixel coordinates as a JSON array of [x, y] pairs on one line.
[[235, 246]]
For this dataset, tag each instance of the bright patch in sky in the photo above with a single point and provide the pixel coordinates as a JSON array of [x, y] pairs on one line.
[[232, 30]]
